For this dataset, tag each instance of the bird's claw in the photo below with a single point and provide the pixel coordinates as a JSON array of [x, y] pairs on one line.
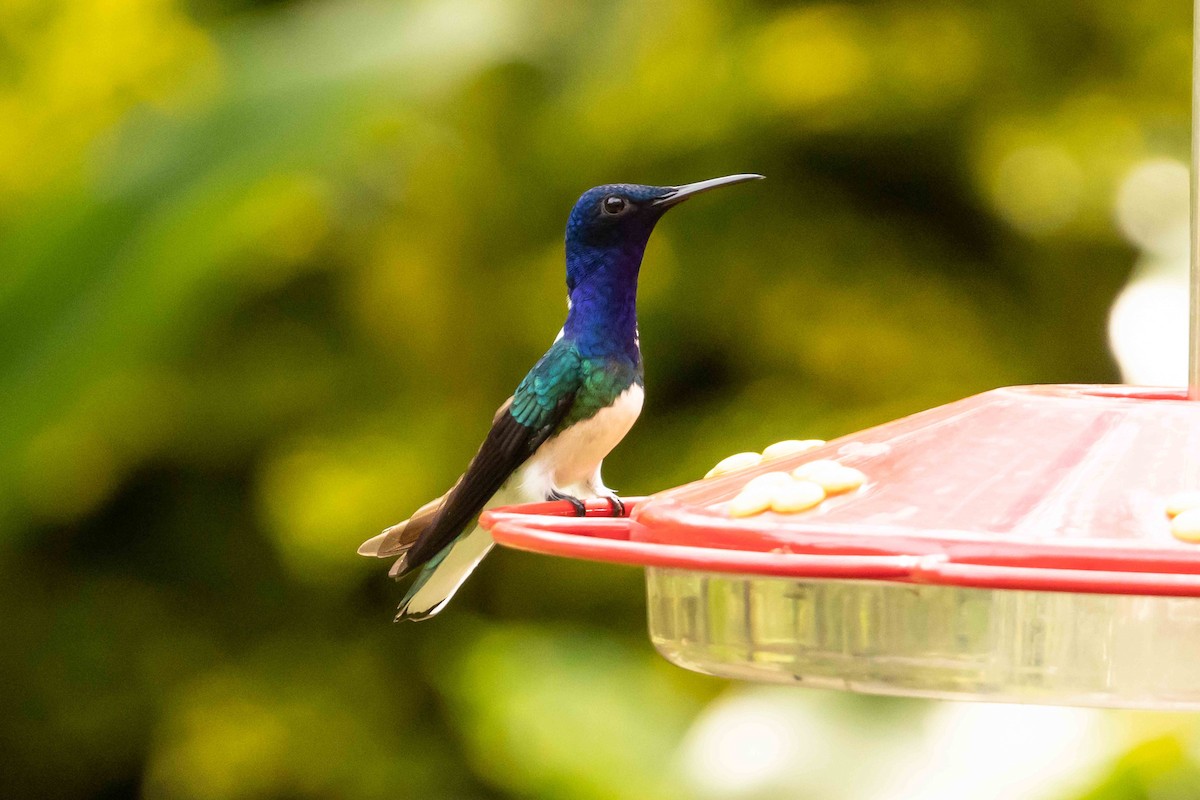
[[618, 507], [576, 503]]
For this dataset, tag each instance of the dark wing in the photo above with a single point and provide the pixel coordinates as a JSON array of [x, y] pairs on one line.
[[518, 430], [399, 538]]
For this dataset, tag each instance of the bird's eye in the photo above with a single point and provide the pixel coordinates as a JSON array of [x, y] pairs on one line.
[[613, 204]]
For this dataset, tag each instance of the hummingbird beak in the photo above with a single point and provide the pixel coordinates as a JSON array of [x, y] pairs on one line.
[[677, 194]]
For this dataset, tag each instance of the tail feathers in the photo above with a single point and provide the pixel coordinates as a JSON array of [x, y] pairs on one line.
[[400, 568], [396, 540], [372, 546], [442, 576]]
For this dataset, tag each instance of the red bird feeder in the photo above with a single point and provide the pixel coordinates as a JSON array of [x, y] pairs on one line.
[[1022, 545], [1013, 546]]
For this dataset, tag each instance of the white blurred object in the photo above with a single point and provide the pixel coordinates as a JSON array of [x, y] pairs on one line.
[[770, 742], [997, 752], [1148, 323], [1148, 328], [747, 741], [1152, 208]]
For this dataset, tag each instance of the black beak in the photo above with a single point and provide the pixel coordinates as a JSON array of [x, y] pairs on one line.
[[678, 194]]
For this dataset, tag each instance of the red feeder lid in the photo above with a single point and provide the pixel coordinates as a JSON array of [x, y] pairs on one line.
[[1056, 488]]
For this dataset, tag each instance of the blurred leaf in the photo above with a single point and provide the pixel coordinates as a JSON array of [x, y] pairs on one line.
[[553, 713]]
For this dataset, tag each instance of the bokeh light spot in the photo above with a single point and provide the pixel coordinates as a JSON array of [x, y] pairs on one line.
[[812, 57], [1038, 189], [1148, 330], [1152, 207]]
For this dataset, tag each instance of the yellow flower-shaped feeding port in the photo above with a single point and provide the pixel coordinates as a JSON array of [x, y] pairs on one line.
[[796, 496], [790, 447], [804, 488], [733, 463], [832, 476], [1183, 510], [778, 450]]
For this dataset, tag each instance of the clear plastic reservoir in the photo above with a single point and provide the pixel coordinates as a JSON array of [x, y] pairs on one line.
[[931, 641]]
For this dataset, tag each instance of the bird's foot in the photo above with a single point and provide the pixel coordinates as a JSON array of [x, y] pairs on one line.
[[576, 503], [618, 507]]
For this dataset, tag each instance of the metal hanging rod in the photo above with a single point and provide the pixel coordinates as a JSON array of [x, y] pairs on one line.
[[1194, 328]]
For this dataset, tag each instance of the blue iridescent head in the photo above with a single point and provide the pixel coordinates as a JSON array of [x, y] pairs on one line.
[[615, 215], [606, 238], [610, 225]]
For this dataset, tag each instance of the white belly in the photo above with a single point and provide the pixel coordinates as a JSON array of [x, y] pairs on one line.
[[573, 457]]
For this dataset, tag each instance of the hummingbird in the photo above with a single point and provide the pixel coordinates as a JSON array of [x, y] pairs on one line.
[[575, 405]]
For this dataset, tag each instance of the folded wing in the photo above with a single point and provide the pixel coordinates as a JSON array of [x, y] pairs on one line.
[[519, 428]]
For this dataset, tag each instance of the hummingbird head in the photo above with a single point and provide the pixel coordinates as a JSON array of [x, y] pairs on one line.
[[610, 225], [606, 237]]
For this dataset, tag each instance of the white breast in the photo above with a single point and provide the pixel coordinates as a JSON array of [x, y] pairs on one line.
[[573, 456]]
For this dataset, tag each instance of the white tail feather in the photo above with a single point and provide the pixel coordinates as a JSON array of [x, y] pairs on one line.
[[434, 589]]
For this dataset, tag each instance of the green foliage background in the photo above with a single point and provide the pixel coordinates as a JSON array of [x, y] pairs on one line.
[[268, 268]]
